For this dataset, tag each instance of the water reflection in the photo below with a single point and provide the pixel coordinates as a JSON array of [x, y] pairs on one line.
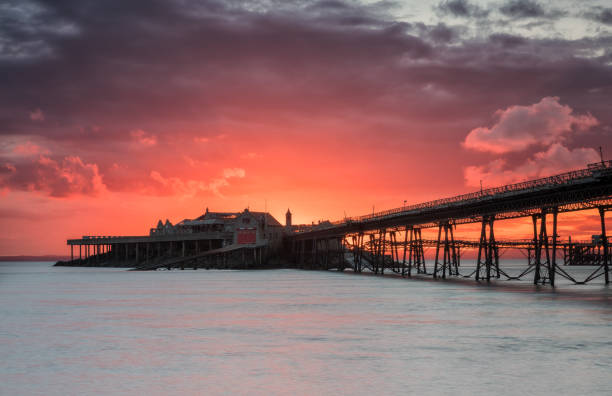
[[79, 331]]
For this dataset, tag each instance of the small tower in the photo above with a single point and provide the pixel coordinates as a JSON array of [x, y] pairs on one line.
[[288, 218]]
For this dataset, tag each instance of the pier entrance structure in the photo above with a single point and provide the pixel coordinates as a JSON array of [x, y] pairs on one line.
[[392, 240], [213, 240]]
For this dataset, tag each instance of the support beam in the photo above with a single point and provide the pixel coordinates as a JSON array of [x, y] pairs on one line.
[[405, 246], [604, 241], [537, 251], [481, 246], [491, 248], [435, 273], [382, 249], [554, 248]]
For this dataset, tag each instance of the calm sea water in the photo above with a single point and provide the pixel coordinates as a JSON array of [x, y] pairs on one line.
[[79, 331]]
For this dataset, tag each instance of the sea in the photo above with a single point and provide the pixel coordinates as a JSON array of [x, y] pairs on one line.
[[102, 331]]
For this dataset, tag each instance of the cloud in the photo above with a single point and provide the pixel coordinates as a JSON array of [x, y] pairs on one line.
[[144, 138], [461, 8], [520, 127], [507, 40], [63, 177], [441, 34], [556, 159], [600, 14], [190, 188], [37, 115], [545, 125], [250, 155], [176, 186], [233, 172], [519, 9], [277, 76], [29, 148], [522, 9]]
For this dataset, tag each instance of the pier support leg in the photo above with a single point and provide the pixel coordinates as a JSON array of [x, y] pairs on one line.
[[481, 246], [382, 255], [604, 240], [421, 251], [404, 248], [455, 252], [446, 254], [491, 252], [544, 241], [315, 254], [435, 272], [373, 253], [536, 252], [553, 269]]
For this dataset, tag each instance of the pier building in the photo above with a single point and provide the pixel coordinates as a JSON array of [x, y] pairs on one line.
[[215, 239]]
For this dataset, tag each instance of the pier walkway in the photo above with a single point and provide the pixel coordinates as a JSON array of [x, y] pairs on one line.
[[396, 233]]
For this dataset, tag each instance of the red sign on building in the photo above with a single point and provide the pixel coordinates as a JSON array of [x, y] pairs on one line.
[[247, 236]]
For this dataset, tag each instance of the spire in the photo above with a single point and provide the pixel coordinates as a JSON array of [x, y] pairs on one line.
[[288, 218]]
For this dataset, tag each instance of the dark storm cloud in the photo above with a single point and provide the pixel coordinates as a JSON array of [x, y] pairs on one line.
[[330, 4], [528, 9], [461, 8], [507, 40], [600, 14], [522, 9], [441, 33], [169, 68], [133, 59]]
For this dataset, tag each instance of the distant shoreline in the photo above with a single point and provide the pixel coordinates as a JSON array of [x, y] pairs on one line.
[[33, 258]]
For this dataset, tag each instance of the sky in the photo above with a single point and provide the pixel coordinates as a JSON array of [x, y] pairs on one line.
[[115, 114]]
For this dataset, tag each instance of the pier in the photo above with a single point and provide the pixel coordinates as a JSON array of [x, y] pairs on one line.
[[390, 240]]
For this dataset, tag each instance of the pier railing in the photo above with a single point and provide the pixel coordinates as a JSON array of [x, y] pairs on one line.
[[568, 178]]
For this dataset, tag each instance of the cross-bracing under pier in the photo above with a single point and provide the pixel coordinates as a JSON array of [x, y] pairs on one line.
[[392, 240]]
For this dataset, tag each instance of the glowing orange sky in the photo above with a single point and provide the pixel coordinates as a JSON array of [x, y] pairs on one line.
[[324, 109]]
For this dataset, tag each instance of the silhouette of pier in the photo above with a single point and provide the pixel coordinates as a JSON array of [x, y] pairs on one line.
[[392, 240]]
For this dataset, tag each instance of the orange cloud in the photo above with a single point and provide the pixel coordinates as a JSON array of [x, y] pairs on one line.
[[190, 188], [144, 138]]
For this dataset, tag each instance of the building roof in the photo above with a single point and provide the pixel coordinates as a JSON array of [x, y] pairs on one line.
[[270, 220], [201, 222], [230, 216]]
